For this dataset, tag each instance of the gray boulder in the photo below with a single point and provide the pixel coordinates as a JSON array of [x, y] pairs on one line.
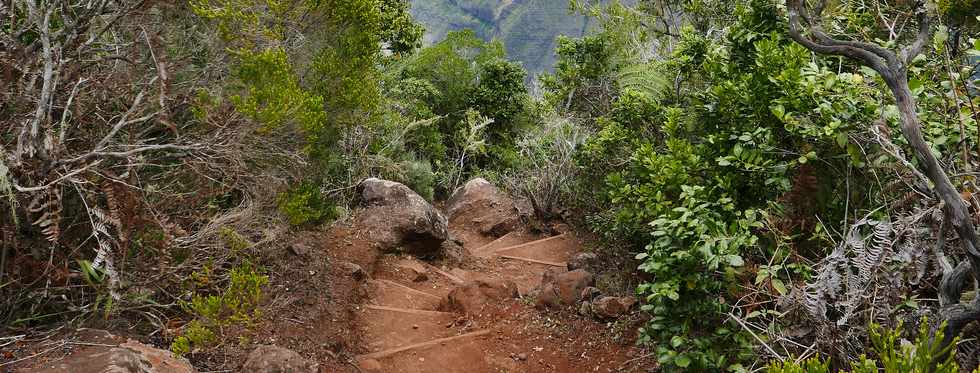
[[399, 220], [480, 203]]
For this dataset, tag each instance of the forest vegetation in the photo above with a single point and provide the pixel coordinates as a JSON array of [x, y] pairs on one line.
[[789, 185]]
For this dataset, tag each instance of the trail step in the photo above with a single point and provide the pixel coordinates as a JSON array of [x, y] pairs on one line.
[[545, 262], [388, 329], [526, 244], [510, 239], [445, 274], [412, 311], [389, 352], [405, 288]]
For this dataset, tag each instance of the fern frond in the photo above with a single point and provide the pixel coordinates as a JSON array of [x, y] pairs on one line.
[[644, 78]]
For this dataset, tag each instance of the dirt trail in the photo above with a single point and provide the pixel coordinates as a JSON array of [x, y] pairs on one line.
[[405, 331]]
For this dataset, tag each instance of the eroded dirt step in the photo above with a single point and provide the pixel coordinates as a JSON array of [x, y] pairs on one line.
[[392, 294], [552, 251], [459, 354], [387, 328], [513, 238]]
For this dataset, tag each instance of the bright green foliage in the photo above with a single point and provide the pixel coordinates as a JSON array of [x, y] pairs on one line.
[[273, 96], [236, 304], [195, 335], [893, 356], [304, 204]]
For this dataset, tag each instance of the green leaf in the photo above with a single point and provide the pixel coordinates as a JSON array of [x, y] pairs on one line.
[[735, 260], [682, 361], [778, 285], [676, 341]]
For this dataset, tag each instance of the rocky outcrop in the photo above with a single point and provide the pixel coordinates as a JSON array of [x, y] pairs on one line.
[[274, 359], [126, 357], [399, 220], [586, 261], [564, 289], [473, 296], [480, 203]]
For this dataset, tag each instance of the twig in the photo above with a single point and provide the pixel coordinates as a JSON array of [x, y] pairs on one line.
[[764, 344], [62, 344]]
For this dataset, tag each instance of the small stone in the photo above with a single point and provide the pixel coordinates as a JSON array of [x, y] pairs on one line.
[[585, 309], [611, 307], [416, 326], [415, 270], [354, 270], [370, 366], [586, 261], [589, 293], [300, 249], [522, 356], [273, 359]]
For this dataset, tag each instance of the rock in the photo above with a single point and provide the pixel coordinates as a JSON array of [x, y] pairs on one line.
[[612, 307], [481, 203], [590, 293], [415, 270], [585, 309], [472, 296], [274, 359], [354, 270], [300, 249], [127, 357], [399, 220], [370, 366], [563, 289], [586, 261]]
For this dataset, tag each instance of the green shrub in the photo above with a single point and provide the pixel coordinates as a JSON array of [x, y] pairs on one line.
[[195, 335], [305, 205], [237, 303], [893, 356]]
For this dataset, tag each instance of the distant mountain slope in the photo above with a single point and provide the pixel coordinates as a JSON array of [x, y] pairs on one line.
[[528, 28]]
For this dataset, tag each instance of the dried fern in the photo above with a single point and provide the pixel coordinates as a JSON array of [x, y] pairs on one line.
[[48, 205], [7, 190]]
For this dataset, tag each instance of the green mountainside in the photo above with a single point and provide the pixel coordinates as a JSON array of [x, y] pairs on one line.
[[528, 28]]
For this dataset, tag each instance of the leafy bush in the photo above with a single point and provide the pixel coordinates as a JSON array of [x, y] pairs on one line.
[[894, 355], [304, 204], [237, 303]]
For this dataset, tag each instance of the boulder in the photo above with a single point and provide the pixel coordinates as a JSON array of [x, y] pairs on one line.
[[482, 204], [274, 359], [586, 261], [399, 220], [563, 289], [126, 357], [612, 307], [472, 296]]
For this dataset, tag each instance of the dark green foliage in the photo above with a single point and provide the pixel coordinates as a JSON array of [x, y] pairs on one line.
[[453, 76]]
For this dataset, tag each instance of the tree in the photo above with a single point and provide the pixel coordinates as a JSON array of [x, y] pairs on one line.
[[806, 28]]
